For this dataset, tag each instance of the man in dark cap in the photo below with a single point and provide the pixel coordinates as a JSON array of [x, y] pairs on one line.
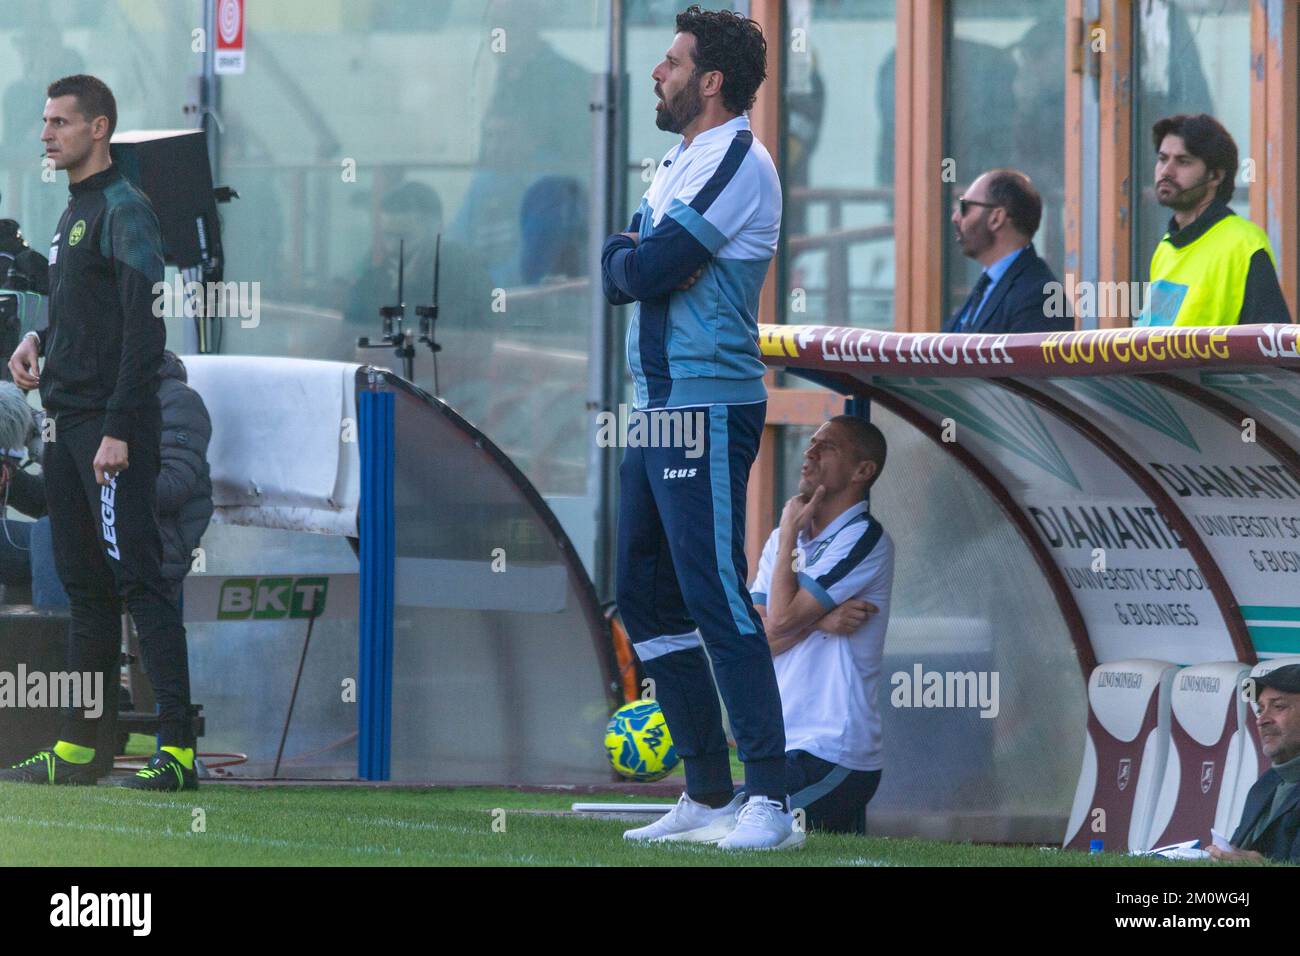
[[1270, 821]]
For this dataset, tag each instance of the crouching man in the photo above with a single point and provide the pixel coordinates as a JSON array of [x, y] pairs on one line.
[[823, 588]]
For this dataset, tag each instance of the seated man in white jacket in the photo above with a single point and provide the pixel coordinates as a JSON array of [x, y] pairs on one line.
[[823, 588]]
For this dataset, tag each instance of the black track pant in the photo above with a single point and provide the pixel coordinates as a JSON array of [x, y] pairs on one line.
[[108, 552]]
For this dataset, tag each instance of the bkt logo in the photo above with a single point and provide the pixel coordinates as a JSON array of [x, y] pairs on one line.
[[679, 472], [263, 599]]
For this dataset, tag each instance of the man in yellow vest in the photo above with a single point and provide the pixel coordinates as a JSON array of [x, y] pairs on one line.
[[1212, 267]]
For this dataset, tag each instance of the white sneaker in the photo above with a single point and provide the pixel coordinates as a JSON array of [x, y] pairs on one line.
[[689, 822], [763, 824]]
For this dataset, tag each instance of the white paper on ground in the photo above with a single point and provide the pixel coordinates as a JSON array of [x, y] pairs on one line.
[[1188, 850]]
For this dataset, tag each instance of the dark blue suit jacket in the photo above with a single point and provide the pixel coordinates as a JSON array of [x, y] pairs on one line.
[[1281, 839], [1018, 302]]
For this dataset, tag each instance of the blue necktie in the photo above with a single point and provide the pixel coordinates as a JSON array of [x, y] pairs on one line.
[[972, 304]]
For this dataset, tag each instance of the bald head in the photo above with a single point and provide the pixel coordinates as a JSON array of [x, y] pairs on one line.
[[1002, 211]]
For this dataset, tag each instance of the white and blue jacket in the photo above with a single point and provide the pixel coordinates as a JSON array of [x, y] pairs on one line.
[[716, 204]]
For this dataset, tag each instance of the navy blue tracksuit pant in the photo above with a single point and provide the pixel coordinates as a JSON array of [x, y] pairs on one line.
[[682, 580], [833, 798]]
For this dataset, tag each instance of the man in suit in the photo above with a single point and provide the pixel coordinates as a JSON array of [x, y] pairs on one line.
[[1270, 821], [995, 222]]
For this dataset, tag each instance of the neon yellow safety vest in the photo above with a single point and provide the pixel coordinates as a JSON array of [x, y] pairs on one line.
[[1204, 282]]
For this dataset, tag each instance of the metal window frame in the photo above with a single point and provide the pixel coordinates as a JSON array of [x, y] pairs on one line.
[[1274, 52], [1100, 178]]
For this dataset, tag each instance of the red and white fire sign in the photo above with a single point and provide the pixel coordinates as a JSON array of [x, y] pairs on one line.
[[230, 36]]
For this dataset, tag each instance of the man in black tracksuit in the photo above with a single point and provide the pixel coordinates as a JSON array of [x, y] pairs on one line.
[[103, 348], [184, 495]]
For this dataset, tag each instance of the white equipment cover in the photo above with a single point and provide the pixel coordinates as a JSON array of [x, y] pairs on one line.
[[284, 450]]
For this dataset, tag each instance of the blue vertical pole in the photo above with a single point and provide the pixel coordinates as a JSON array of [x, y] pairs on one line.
[[378, 554]]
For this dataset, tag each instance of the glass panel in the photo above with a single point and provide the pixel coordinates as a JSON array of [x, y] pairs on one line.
[[243, 672], [357, 126], [496, 677], [837, 164], [1005, 96], [1191, 57], [951, 611], [140, 49]]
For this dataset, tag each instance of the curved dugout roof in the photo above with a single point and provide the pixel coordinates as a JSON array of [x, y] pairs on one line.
[[1153, 473]]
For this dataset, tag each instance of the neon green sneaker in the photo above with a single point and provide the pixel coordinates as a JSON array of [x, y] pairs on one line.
[[49, 767], [163, 772]]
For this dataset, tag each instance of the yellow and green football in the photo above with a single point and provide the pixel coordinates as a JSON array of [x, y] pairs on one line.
[[638, 743]]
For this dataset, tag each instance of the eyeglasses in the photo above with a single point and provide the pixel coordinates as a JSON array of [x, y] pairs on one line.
[[963, 203]]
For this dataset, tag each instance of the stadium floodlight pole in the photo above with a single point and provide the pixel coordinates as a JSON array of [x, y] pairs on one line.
[[429, 314], [401, 341]]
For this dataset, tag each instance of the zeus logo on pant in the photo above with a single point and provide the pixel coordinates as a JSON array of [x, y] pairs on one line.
[[679, 472], [107, 499]]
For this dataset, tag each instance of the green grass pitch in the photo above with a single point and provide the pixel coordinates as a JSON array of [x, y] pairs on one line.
[[341, 826]]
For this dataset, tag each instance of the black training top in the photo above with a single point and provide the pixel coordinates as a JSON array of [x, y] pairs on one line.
[[104, 343]]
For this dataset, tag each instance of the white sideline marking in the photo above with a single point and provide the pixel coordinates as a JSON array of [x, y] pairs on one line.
[[253, 841], [527, 859], [365, 821], [220, 837], [859, 861]]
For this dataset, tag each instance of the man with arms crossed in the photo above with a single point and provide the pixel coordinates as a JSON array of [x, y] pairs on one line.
[[693, 260], [823, 588], [103, 351]]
